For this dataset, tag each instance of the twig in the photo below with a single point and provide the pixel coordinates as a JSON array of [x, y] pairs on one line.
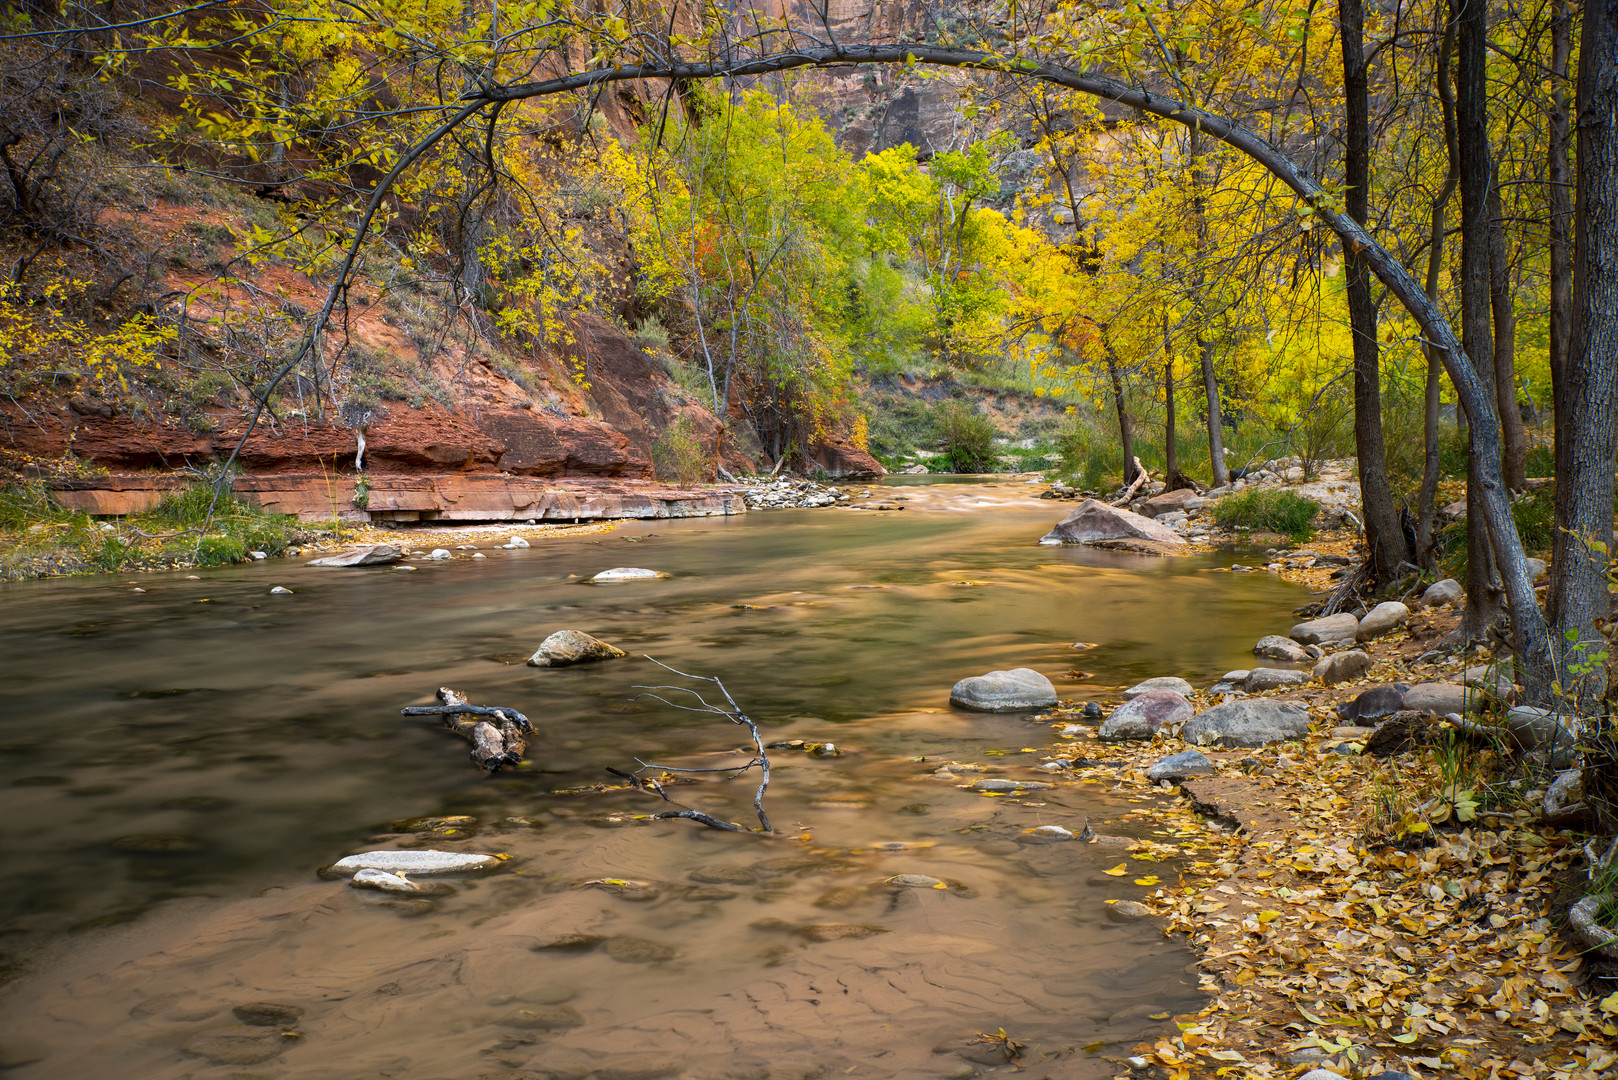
[[735, 715]]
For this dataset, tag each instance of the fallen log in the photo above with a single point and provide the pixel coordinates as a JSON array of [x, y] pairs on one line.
[[495, 732]]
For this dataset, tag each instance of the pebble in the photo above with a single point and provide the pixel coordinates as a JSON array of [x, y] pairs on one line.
[[394, 883], [281, 590], [916, 881], [766, 494], [440, 553], [403, 566], [1049, 832], [479, 555], [515, 542], [414, 862], [1127, 911], [259, 555]]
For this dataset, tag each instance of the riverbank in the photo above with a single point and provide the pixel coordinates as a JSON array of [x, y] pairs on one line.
[[1345, 918]]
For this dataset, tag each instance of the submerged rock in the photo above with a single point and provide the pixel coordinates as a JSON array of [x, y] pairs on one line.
[[268, 1014], [414, 862], [567, 647], [1001, 784], [370, 555], [1004, 691], [1095, 520], [1247, 724], [1146, 715], [384, 881]]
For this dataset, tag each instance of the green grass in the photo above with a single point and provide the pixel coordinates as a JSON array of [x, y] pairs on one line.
[[1268, 510], [965, 439], [41, 538]]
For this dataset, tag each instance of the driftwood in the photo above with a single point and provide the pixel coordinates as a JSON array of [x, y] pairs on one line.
[[734, 714], [1140, 478], [495, 732]]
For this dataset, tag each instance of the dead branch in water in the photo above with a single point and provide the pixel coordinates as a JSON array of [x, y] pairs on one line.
[[734, 714], [494, 744]]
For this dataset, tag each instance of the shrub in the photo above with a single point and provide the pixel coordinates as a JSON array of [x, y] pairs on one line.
[[1268, 511], [965, 438], [678, 455], [219, 549]]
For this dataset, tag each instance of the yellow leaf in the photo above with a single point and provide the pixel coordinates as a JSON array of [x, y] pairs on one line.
[[1406, 1037], [1268, 916], [1153, 880], [1118, 871]]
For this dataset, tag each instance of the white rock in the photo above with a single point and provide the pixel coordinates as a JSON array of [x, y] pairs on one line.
[[515, 542], [259, 555], [626, 573], [1385, 618], [1163, 682], [1049, 832], [440, 553], [281, 590], [414, 862], [381, 879], [479, 555], [1000, 784]]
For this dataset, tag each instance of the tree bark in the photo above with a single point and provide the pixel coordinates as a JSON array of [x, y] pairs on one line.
[[1483, 607], [1584, 491], [1171, 456], [1383, 535], [1504, 312], [1216, 415], [1559, 201], [1426, 504]]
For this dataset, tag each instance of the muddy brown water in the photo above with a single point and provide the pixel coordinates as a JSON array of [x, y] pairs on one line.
[[178, 764]]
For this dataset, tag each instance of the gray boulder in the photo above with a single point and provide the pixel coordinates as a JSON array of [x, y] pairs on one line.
[[1343, 666], [1247, 723], [1374, 704], [1337, 629], [1564, 804], [1169, 502], [1536, 569], [1385, 618], [1181, 766], [1443, 699], [369, 555], [1239, 675], [1276, 647], [1144, 716], [572, 647], [1268, 678], [1165, 682], [1439, 593], [1095, 520], [1004, 691]]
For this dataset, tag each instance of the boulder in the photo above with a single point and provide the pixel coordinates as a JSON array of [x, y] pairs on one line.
[[1004, 691], [1095, 520], [413, 862], [1536, 570], [1543, 732], [626, 573], [1247, 723], [1144, 716], [1439, 593], [567, 647], [1269, 678], [1181, 766], [1165, 682], [1276, 647], [1564, 804], [370, 555], [1385, 618], [1337, 629], [1400, 732], [1374, 704], [1170, 502], [1343, 666], [1443, 699], [1492, 679], [1239, 675]]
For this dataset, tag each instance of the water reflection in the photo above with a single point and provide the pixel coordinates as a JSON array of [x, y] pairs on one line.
[[178, 752]]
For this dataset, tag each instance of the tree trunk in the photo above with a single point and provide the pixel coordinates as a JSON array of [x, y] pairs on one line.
[[1559, 200], [1216, 415], [1383, 535], [1435, 264], [1126, 425], [1515, 461], [1483, 608], [1584, 491], [1171, 456]]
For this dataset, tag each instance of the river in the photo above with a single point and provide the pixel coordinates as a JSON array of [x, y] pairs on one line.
[[179, 762]]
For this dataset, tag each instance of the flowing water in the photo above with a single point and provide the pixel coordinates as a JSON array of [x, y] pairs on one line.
[[178, 764]]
